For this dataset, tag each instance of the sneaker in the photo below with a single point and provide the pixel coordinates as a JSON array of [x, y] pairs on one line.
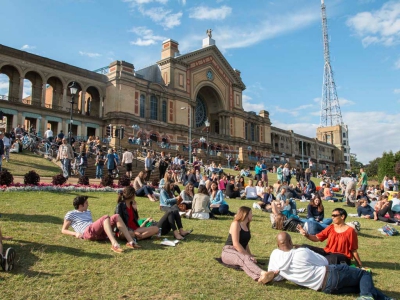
[[116, 248], [8, 259], [256, 205], [301, 210]]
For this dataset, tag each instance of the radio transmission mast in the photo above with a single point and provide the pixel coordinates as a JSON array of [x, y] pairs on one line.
[[330, 108]]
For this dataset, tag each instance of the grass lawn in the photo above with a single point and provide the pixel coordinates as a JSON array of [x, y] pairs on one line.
[[22, 163], [55, 266]]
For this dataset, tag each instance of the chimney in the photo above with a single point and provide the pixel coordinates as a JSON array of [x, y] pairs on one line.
[[169, 49]]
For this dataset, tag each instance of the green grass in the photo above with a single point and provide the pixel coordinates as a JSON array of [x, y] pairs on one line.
[[22, 163], [55, 266]]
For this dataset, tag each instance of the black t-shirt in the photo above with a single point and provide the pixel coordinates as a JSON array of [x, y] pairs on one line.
[[229, 190], [244, 238]]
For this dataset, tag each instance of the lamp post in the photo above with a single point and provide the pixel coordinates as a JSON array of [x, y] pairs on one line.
[[73, 88], [207, 123], [135, 127], [190, 132], [202, 141]]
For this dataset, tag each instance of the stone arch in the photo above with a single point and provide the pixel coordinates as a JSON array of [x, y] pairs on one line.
[[92, 101], [154, 136], [14, 76], [54, 92], [33, 94], [208, 101]]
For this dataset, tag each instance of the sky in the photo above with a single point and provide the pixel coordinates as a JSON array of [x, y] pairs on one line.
[[277, 46]]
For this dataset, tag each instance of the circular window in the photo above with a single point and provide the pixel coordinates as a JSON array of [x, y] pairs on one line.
[[201, 112]]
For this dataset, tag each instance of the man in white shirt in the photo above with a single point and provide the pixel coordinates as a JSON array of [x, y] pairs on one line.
[[48, 134], [127, 158], [309, 269]]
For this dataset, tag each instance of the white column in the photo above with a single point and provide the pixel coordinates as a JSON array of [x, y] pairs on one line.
[[21, 89], [64, 98], [43, 100], [83, 97]]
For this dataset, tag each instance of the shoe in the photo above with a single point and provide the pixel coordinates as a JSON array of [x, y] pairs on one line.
[[301, 210], [133, 246], [243, 197], [116, 248], [256, 205], [266, 277], [365, 298], [8, 259], [187, 233], [231, 214]]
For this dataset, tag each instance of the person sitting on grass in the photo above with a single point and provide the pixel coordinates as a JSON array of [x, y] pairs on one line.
[[142, 189], [384, 207], [81, 221], [6, 260], [268, 198], [250, 192], [201, 205], [187, 196], [312, 270], [328, 194], [236, 251], [342, 239], [218, 204], [365, 211], [232, 191], [351, 199], [260, 189], [315, 212], [168, 203]]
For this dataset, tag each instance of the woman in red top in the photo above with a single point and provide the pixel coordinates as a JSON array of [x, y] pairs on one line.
[[342, 242], [328, 194]]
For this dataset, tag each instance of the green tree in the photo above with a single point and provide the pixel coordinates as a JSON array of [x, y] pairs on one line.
[[386, 165], [372, 167], [355, 164]]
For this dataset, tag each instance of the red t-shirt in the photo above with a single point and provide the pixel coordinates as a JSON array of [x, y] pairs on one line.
[[131, 222], [343, 242]]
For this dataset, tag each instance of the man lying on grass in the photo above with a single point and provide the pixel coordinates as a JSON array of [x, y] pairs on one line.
[[81, 221]]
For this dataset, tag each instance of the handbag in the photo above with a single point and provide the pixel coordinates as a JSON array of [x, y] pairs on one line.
[[389, 230], [291, 224]]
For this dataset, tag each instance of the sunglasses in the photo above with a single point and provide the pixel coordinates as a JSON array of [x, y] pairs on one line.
[[336, 215]]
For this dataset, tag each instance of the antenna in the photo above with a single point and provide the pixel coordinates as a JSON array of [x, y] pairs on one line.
[[330, 109]]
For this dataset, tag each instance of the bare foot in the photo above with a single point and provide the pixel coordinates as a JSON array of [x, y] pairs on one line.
[[178, 236]]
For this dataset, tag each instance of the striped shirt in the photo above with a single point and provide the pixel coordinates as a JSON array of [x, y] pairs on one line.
[[80, 220]]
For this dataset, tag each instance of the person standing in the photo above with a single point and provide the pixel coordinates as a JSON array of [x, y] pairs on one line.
[[111, 162], [65, 155], [1, 149], [148, 166], [363, 182], [163, 164], [127, 158], [7, 146], [99, 164], [264, 172], [48, 134]]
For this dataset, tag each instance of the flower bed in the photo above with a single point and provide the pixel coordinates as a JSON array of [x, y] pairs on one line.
[[48, 187]]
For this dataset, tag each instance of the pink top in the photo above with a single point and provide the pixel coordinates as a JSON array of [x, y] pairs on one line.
[[222, 184]]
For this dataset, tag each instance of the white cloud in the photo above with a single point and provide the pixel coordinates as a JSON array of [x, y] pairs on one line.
[[345, 102], [248, 106], [89, 54], [396, 91], [146, 38], [162, 16], [27, 47], [183, 2], [293, 111], [380, 26], [208, 13], [141, 2], [397, 64]]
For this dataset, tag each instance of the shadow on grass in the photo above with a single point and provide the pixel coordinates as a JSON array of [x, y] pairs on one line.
[[34, 218], [366, 235], [26, 257], [193, 237]]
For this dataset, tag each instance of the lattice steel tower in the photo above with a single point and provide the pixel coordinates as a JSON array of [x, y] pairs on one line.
[[330, 108]]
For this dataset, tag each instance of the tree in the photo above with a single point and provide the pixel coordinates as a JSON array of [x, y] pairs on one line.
[[372, 167], [355, 165], [386, 165]]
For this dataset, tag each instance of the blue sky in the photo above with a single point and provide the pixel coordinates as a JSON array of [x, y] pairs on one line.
[[277, 45]]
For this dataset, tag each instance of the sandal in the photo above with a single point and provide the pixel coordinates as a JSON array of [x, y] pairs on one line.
[[187, 233]]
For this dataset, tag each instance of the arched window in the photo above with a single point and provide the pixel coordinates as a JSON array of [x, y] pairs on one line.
[[153, 108], [164, 111], [142, 105], [216, 127]]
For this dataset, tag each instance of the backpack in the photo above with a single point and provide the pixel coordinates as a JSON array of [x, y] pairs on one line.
[[389, 230], [291, 224]]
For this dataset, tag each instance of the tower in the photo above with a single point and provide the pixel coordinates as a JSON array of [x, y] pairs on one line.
[[332, 129], [330, 108]]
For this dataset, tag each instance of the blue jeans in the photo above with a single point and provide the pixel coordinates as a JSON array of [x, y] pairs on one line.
[[144, 191], [65, 162], [343, 279], [331, 198], [82, 170], [364, 188], [99, 171], [223, 209], [325, 222], [313, 227]]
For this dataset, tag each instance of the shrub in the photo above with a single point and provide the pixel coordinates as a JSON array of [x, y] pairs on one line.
[[107, 181], [32, 178], [58, 179], [124, 181], [84, 180], [6, 178]]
